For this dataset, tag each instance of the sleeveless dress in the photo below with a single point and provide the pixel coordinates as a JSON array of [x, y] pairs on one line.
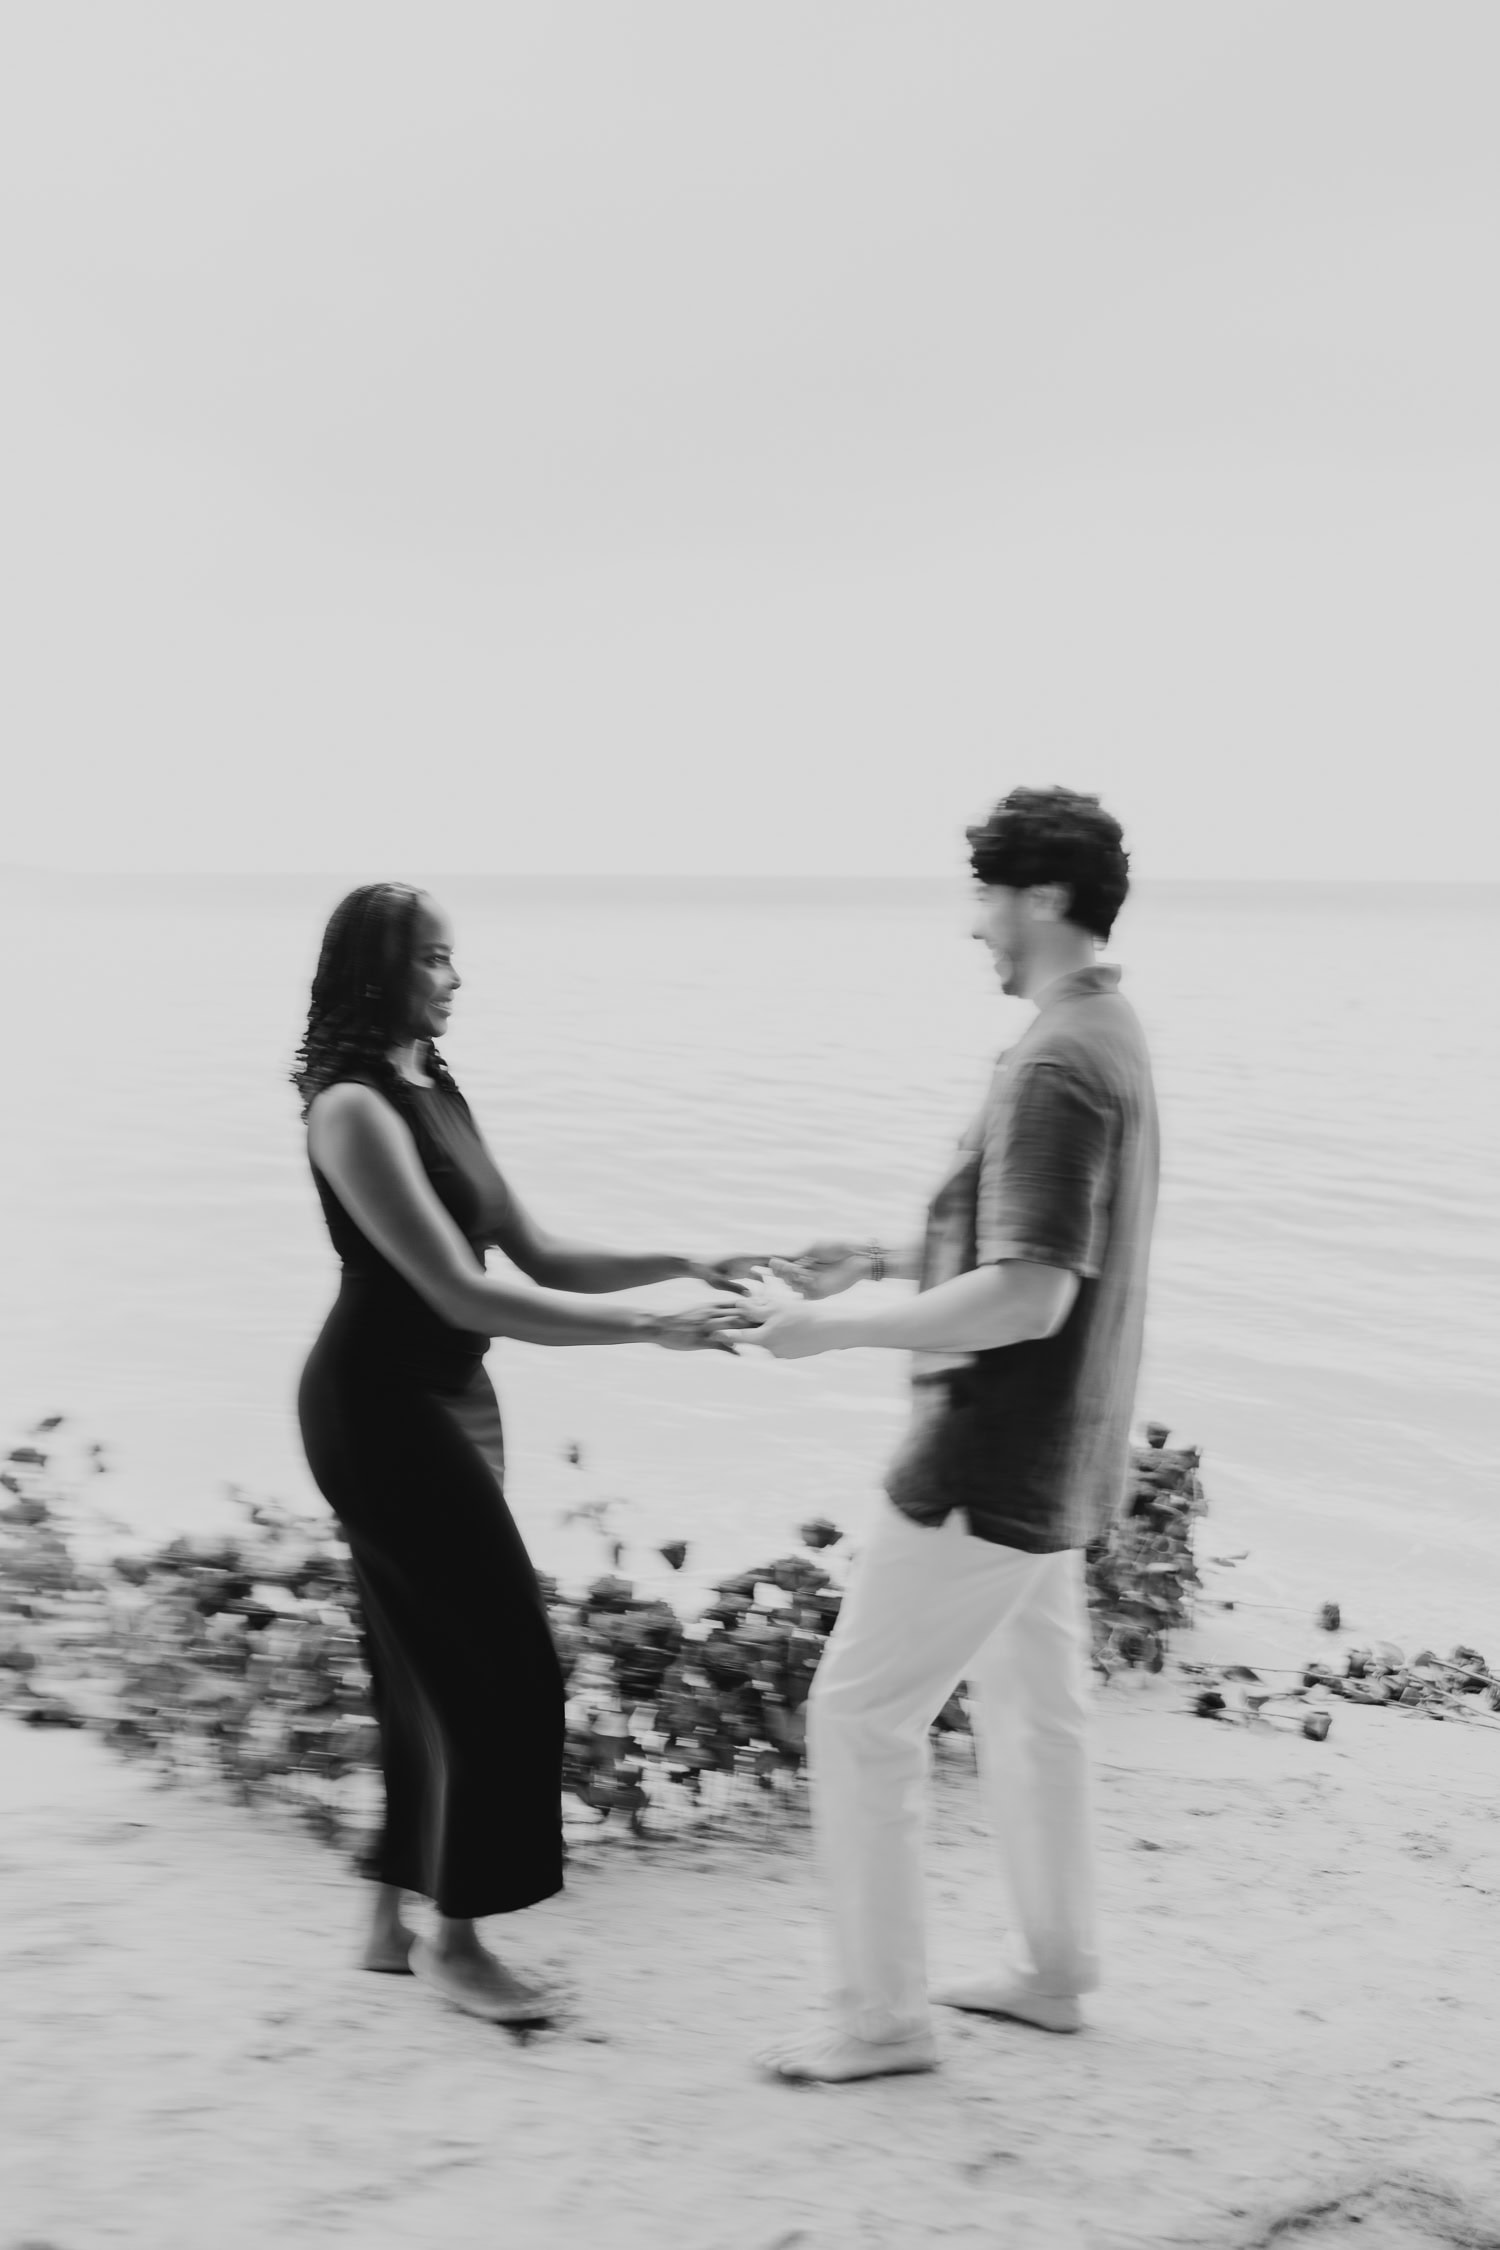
[[402, 1434]]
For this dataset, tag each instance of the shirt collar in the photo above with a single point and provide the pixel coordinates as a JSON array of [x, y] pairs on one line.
[[1079, 984]]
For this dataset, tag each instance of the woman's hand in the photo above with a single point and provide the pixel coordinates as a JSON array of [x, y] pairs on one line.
[[727, 1273], [702, 1328], [824, 1269]]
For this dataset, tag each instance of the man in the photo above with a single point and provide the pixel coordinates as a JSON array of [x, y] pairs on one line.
[[1026, 1331]]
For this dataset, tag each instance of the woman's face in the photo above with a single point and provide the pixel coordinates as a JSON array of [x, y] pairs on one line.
[[434, 980]]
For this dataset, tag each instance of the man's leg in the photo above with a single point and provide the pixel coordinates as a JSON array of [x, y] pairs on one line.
[[922, 1603], [1031, 1711]]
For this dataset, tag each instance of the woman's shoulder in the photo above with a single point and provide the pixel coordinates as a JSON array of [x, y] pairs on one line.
[[354, 1106], [383, 1098], [348, 1094]]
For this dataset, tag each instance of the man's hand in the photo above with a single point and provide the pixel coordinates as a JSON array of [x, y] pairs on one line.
[[797, 1332], [824, 1269]]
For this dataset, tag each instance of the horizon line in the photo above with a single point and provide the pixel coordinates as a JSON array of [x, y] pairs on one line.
[[714, 876]]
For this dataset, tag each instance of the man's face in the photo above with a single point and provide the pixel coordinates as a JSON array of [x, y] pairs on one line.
[[1003, 923]]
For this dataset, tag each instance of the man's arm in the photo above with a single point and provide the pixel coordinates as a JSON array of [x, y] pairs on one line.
[[827, 1268], [1016, 1302], [1041, 1221]]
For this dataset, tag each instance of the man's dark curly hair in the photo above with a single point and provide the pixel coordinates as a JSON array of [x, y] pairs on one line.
[[1056, 836], [360, 992]]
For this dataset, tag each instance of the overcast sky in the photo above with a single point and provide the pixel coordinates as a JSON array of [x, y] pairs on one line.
[[667, 434]]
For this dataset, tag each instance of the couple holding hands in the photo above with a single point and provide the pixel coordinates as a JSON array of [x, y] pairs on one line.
[[1025, 1335]]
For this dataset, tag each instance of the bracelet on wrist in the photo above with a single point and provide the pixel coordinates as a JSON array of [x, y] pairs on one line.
[[876, 1256]]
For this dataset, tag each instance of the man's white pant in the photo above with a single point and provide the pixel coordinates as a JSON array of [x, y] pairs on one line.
[[929, 1607]]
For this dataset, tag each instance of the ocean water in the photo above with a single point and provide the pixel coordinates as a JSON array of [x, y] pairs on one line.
[[710, 1067]]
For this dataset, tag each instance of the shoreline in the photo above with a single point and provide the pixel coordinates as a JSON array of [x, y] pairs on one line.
[[1295, 2033], [1412, 1580], [1299, 2007]]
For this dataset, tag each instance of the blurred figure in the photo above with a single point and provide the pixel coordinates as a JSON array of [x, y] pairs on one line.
[[403, 1436], [1026, 1335]]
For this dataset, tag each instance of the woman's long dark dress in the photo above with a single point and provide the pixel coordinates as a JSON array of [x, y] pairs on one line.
[[403, 1436]]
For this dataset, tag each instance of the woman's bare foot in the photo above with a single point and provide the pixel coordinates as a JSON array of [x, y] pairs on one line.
[[388, 1946], [468, 1976], [388, 1952]]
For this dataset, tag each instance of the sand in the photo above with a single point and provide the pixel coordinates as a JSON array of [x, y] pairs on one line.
[[1298, 2039]]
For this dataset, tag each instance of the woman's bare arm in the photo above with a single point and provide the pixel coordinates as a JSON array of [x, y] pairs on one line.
[[576, 1266], [367, 1155]]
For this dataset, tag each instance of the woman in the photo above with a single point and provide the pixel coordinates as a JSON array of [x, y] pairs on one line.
[[403, 1437]]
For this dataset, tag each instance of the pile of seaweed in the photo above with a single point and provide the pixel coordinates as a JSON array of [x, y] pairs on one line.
[[240, 1658], [1460, 1685]]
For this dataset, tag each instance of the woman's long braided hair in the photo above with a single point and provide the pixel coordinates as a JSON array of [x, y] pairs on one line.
[[359, 993]]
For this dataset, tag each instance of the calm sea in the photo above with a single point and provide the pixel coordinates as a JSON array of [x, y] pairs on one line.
[[720, 1066]]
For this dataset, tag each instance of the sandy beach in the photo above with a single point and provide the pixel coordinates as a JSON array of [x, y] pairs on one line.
[[1297, 2035], [619, 622]]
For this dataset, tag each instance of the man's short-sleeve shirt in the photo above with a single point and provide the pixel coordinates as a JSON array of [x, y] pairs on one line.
[[1059, 1169]]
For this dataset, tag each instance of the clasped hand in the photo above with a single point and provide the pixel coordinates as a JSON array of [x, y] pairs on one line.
[[703, 1328], [824, 1269]]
